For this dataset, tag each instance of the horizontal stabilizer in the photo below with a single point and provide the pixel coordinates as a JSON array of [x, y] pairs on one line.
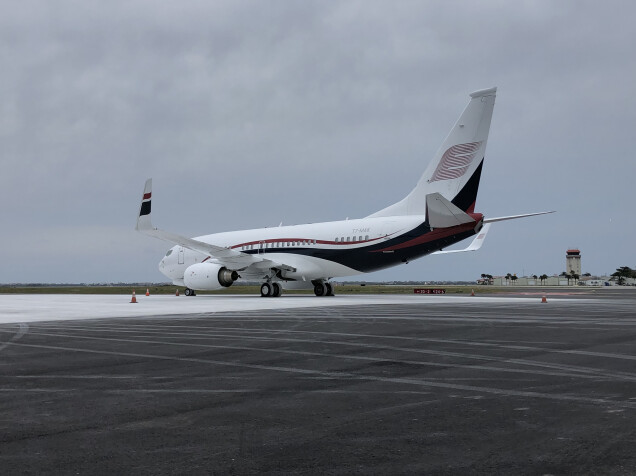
[[474, 245], [514, 217], [441, 213]]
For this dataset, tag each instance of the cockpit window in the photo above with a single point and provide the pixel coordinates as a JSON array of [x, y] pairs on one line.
[[169, 253]]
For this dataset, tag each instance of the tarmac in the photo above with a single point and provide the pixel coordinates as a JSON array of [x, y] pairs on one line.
[[304, 385]]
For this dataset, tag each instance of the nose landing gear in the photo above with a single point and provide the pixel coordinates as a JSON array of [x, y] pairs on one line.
[[190, 292]]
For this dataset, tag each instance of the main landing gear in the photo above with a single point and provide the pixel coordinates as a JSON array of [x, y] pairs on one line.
[[190, 292], [274, 289], [323, 289], [270, 290]]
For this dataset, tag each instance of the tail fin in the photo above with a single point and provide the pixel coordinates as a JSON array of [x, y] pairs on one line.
[[455, 169]]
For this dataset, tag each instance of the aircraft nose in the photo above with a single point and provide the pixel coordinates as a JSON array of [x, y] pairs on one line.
[[162, 268]]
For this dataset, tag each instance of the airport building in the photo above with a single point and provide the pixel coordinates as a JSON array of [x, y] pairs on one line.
[[551, 281], [572, 267], [573, 261]]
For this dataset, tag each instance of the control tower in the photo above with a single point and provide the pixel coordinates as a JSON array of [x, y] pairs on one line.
[[573, 261]]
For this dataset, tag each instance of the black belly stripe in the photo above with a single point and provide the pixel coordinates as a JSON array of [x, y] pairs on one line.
[[370, 258]]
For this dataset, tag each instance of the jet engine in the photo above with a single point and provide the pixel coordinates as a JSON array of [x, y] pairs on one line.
[[208, 277]]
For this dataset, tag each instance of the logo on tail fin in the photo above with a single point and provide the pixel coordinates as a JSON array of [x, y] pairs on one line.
[[455, 161]]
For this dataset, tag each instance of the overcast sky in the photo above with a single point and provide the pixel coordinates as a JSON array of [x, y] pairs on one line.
[[246, 114]]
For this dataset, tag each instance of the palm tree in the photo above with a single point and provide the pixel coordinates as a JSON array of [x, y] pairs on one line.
[[543, 277], [565, 275]]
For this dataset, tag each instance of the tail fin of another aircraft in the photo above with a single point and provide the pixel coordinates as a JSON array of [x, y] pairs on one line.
[[455, 169]]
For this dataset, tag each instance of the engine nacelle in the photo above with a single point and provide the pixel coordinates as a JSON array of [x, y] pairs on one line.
[[208, 277]]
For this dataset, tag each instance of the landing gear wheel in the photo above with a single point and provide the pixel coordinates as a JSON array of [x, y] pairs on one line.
[[320, 289], [266, 290], [329, 289], [189, 292], [276, 289]]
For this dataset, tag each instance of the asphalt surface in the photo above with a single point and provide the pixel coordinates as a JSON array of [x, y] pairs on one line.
[[468, 388]]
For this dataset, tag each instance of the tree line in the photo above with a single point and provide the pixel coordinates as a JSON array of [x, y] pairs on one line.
[[512, 277], [621, 275]]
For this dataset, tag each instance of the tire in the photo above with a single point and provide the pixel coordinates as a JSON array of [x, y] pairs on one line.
[[189, 292], [276, 289], [320, 289], [266, 290], [329, 289]]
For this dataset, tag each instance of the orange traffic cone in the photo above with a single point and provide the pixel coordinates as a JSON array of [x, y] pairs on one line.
[[177, 292], [472, 292], [134, 298], [147, 292], [543, 299]]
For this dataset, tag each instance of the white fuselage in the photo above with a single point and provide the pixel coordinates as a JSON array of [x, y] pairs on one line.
[[284, 243]]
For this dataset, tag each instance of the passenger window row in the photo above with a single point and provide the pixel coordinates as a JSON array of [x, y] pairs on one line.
[[351, 239], [278, 244]]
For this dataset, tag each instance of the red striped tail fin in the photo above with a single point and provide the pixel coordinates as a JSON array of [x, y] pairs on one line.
[[455, 170]]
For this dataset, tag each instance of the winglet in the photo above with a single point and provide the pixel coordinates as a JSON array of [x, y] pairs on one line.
[[474, 245], [143, 219]]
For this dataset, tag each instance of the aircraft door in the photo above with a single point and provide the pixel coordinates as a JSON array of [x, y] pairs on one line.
[[181, 255]]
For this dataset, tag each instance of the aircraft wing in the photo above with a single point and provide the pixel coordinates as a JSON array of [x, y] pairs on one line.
[[474, 245], [233, 259]]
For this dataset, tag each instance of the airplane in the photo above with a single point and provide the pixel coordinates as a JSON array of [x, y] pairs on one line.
[[437, 213]]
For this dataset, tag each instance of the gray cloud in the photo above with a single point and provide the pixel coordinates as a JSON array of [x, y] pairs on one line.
[[251, 113]]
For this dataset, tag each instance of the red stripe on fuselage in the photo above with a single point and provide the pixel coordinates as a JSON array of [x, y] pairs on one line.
[[146, 195], [307, 241], [435, 234]]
